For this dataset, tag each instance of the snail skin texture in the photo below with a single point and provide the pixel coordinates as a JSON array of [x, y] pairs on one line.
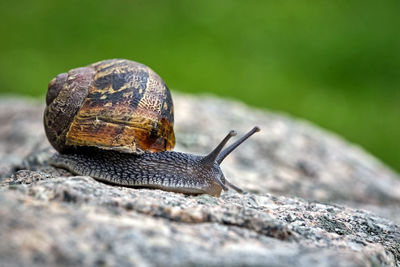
[[113, 121]]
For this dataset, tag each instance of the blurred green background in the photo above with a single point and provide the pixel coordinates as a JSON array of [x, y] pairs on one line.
[[336, 63]]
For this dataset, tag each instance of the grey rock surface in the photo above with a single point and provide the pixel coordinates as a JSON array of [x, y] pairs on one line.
[[79, 221], [291, 170]]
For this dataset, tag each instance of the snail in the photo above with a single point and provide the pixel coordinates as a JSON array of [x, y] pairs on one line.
[[113, 121]]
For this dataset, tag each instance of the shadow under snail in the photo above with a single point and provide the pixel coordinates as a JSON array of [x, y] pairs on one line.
[[113, 121]]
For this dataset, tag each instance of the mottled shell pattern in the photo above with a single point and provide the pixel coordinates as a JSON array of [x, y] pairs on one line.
[[112, 104]]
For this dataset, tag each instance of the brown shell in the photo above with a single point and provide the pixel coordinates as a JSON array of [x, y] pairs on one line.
[[112, 104]]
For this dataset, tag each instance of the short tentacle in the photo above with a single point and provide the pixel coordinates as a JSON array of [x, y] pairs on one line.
[[234, 187]]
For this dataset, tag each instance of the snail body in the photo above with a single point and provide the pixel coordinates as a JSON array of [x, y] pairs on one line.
[[113, 121]]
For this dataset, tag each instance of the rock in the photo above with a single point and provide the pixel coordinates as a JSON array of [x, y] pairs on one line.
[[79, 221], [288, 157], [293, 173], [21, 131]]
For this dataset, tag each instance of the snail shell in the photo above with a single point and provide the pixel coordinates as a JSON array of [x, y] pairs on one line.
[[113, 104]]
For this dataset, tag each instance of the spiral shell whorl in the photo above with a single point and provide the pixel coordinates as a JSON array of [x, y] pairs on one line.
[[65, 95], [113, 104]]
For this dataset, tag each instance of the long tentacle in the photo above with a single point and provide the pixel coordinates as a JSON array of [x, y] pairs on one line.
[[232, 147]]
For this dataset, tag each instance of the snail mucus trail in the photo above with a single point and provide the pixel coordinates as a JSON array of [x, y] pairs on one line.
[[168, 170]]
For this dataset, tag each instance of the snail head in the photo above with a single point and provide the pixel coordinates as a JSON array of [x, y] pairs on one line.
[[213, 160]]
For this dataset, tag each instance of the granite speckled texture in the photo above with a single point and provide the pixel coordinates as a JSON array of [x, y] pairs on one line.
[[313, 199]]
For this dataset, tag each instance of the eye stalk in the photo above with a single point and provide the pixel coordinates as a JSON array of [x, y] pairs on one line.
[[232, 147], [210, 158], [218, 155]]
